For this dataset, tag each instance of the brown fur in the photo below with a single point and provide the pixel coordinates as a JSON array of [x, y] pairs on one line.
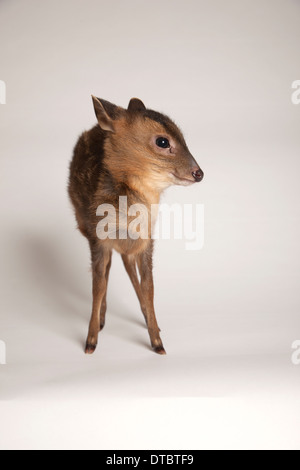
[[119, 157]]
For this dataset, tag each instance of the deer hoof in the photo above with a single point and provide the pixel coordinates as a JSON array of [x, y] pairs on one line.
[[160, 350], [90, 348]]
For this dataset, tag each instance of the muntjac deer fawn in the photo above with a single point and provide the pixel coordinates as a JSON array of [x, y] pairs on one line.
[[136, 153]]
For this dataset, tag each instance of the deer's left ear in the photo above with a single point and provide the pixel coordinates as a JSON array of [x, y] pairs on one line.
[[104, 120], [136, 105]]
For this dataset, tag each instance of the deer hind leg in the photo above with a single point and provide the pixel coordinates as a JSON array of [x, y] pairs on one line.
[[147, 289], [104, 301], [130, 266], [100, 261]]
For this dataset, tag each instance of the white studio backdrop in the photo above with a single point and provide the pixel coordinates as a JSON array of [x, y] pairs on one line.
[[229, 313]]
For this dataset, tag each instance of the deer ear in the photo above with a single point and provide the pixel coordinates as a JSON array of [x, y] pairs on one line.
[[105, 122], [136, 105], [111, 109]]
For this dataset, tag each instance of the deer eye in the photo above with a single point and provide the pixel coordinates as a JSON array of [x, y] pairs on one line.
[[162, 142]]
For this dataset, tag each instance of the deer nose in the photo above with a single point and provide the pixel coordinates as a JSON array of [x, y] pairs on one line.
[[198, 174]]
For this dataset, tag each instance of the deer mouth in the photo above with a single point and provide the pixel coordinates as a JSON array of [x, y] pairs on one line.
[[185, 181]]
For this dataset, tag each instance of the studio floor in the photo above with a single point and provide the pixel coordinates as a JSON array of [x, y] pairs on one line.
[[227, 380], [229, 312]]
